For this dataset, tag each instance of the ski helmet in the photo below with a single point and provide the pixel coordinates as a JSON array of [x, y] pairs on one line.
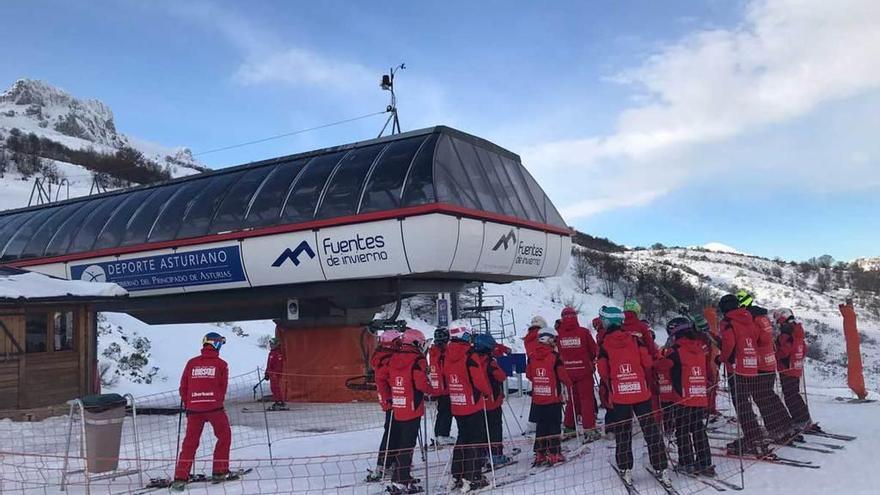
[[413, 337], [547, 335], [701, 323], [632, 305], [273, 342], [728, 303], [678, 326], [484, 343], [460, 333], [611, 316], [538, 321], [441, 335], [782, 315], [388, 338], [745, 299], [214, 340]]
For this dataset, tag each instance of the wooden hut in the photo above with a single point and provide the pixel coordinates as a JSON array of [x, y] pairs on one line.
[[48, 339]]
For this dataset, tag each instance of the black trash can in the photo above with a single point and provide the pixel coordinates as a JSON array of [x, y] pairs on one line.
[[104, 415]]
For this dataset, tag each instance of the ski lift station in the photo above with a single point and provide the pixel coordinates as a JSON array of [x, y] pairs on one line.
[[318, 240]]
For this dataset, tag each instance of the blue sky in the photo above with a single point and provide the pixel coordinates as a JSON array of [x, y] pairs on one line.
[[754, 124]]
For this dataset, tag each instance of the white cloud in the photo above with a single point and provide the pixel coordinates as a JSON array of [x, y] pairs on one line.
[[302, 67], [785, 59]]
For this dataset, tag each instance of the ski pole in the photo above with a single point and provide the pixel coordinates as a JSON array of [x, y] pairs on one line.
[[179, 425], [574, 414], [387, 439], [489, 443], [422, 448]]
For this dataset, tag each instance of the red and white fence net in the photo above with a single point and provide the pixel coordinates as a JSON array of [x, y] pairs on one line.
[[279, 447]]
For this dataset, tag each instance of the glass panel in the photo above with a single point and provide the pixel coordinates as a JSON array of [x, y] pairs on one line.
[[201, 210], [10, 228], [553, 216], [344, 189], [419, 188], [502, 196], [27, 230], [537, 193], [166, 224], [386, 181], [85, 237], [235, 205], [60, 240], [36, 246], [514, 171], [266, 207], [453, 185], [507, 185], [115, 228], [468, 156], [138, 227], [300, 206], [36, 332], [64, 331]]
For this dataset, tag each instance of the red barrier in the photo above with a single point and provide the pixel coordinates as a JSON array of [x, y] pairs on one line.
[[855, 379]]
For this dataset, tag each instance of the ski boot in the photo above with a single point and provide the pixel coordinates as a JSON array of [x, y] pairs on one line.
[[375, 475], [553, 459], [627, 476], [455, 484], [706, 471], [227, 476], [473, 485], [663, 478], [278, 406], [177, 486], [568, 433], [501, 460], [540, 460], [404, 487], [592, 436]]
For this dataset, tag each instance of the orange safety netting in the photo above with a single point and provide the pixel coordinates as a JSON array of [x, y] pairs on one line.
[[855, 379], [318, 361]]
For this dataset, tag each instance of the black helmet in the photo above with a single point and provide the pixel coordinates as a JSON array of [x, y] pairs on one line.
[[441, 335], [728, 303], [678, 326]]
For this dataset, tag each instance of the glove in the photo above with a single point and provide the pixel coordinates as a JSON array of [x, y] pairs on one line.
[[266, 376]]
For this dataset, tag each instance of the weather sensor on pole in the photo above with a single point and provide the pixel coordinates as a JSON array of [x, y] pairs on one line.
[[388, 85]]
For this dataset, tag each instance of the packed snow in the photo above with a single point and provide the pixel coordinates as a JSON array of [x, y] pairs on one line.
[[36, 285]]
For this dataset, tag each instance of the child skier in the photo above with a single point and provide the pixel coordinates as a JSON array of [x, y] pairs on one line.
[[547, 373], [791, 350], [436, 356], [624, 365], [578, 351], [484, 348], [274, 369], [388, 343], [468, 384], [406, 376], [691, 377], [202, 392]]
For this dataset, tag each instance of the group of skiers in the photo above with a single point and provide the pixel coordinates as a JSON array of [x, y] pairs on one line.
[[671, 389]]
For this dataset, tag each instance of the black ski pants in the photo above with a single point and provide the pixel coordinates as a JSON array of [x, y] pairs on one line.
[[622, 428], [773, 412], [403, 440], [691, 437], [742, 390], [548, 431], [791, 391], [496, 432], [443, 423], [384, 460], [467, 456]]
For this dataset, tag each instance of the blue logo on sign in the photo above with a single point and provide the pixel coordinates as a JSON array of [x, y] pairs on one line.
[[201, 267], [293, 255]]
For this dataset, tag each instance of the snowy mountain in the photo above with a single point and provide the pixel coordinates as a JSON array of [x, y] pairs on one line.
[[720, 247], [43, 127]]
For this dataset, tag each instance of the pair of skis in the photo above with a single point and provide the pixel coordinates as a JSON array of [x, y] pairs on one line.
[[631, 487], [718, 484], [160, 483], [770, 458]]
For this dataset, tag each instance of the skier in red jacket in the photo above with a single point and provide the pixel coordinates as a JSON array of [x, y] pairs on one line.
[[274, 369], [773, 412], [624, 367], [485, 348], [468, 384], [791, 350], [531, 338], [436, 356], [638, 328], [389, 342], [406, 376], [739, 337], [202, 392], [578, 351], [549, 379]]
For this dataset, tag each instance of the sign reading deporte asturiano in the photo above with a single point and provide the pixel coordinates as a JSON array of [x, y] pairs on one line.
[[202, 267]]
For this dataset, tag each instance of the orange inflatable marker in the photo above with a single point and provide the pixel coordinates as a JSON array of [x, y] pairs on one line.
[[855, 379]]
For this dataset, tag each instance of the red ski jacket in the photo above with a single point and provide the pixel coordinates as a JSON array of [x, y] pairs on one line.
[[547, 374], [379, 360], [436, 355], [634, 326], [204, 381], [766, 350], [577, 349], [691, 373], [274, 364], [406, 376], [791, 349], [739, 338], [466, 380], [531, 340], [624, 365], [496, 380], [663, 375]]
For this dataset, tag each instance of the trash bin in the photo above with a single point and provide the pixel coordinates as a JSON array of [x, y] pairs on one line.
[[104, 415]]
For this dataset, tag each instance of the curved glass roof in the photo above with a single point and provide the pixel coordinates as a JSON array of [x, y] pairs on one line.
[[432, 165]]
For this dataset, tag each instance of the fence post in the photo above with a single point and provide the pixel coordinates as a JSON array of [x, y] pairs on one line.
[[265, 416]]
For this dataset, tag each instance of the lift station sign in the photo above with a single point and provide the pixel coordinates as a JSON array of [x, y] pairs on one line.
[[219, 265]]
